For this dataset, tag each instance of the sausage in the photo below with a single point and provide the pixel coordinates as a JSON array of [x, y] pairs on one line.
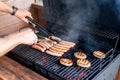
[[56, 51], [59, 50], [40, 48], [64, 46], [99, 54], [55, 38], [67, 43], [83, 63], [66, 62], [50, 43], [53, 53], [80, 55], [43, 44]]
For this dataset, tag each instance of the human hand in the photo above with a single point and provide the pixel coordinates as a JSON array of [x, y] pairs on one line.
[[22, 14], [27, 36]]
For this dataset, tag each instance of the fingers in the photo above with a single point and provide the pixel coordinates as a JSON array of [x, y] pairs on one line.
[[24, 19], [26, 36], [25, 29], [34, 36], [27, 14], [22, 14], [35, 39], [30, 16]]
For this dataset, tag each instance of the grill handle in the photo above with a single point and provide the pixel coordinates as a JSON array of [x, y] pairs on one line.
[[37, 26]]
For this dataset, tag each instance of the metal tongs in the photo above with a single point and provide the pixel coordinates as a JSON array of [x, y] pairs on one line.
[[38, 27], [41, 29]]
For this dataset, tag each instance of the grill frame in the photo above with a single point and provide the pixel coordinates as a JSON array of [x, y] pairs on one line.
[[46, 72], [22, 55]]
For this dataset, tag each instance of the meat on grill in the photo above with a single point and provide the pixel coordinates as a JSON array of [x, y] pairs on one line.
[[66, 43], [80, 55], [40, 48], [53, 53], [43, 45], [59, 49], [83, 63], [63, 46], [55, 38], [53, 48], [56, 51], [99, 54], [66, 62]]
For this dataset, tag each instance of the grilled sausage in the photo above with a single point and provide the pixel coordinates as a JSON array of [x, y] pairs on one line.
[[64, 46], [80, 55], [50, 43], [53, 42], [55, 38], [83, 63], [67, 44], [41, 44], [58, 49], [40, 48], [66, 62], [99, 54], [46, 44], [53, 53], [61, 48]]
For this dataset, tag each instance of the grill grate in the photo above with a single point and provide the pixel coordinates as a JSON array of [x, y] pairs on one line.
[[102, 33], [51, 67], [52, 63]]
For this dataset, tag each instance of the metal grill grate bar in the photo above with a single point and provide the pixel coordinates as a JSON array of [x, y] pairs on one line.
[[74, 72]]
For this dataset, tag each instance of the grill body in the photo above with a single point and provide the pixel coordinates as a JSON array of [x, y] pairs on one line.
[[109, 73], [50, 66]]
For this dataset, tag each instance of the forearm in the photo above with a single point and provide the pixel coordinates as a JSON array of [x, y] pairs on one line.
[[5, 8], [25, 36], [20, 13], [7, 44]]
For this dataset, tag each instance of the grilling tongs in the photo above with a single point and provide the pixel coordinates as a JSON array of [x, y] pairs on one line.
[[38, 27], [42, 30]]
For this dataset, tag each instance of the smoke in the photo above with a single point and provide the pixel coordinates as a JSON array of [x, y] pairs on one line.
[[117, 2], [82, 13], [79, 15], [76, 15]]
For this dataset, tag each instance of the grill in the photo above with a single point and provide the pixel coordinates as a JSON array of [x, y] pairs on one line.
[[51, 67]]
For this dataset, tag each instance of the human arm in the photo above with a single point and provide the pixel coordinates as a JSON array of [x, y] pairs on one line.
[[5, 8], [20, 13], [9, 42]]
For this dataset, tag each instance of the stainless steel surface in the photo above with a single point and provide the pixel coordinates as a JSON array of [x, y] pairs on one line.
[[109, 73]]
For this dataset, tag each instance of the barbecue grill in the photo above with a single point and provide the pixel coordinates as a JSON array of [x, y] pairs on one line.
[[50, 67], [91, 38]]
